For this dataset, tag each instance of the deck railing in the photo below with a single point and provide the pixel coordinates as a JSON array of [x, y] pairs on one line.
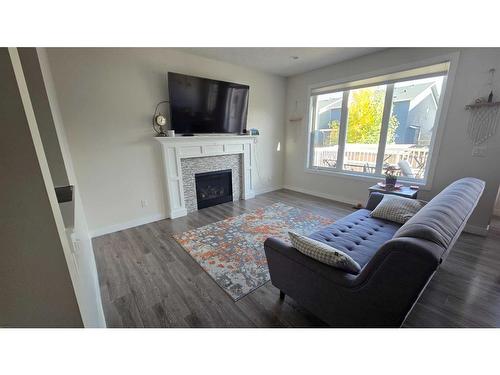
[[360, 157]]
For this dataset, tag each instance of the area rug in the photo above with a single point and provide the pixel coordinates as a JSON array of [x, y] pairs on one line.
[[232, 251]]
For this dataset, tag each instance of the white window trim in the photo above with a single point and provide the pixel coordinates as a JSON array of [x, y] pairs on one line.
[[445, 98]]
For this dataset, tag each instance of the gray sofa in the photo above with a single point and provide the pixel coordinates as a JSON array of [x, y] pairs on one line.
[[396, 261]]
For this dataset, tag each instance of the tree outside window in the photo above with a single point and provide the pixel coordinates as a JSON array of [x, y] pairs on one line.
[[364, 118]]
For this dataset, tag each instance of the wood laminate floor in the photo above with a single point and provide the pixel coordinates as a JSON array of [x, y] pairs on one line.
[[148, 280]]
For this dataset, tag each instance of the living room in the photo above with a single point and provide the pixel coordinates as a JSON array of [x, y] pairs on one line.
[[250, 187]]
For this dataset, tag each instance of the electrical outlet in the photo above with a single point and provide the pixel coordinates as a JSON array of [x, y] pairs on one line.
[[144, 203], [479, 151]]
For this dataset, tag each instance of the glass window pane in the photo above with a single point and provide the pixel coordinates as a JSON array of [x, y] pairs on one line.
[[326, 130], [365, 111], [413, 115]]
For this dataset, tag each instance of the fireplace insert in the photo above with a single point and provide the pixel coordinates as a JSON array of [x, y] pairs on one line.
[[213, 188]]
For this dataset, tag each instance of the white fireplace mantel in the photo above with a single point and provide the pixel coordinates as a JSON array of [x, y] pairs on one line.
[[176, 148]]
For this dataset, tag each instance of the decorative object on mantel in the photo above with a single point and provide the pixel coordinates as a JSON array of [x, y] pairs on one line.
[[159, 120], [295, 116], [484, 115]]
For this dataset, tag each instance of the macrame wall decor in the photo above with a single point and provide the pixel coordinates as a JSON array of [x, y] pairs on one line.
[[484, 116], [296, 117]]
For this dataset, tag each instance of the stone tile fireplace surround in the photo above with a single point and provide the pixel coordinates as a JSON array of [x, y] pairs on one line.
[[191, 166], [183, 157]]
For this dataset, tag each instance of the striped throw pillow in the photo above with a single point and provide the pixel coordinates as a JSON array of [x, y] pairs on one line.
[[324, 253], [397, 209]]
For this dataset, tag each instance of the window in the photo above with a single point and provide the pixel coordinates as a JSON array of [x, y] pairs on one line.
[[364, 127]]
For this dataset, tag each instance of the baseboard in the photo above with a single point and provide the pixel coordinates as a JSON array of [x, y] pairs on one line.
[[149, 219], [331, 197], [474, 229], [129, 224], [180, 212], [267, 189]]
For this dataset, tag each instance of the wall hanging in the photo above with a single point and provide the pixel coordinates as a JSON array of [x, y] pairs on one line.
[[295, 117], [484, 116]]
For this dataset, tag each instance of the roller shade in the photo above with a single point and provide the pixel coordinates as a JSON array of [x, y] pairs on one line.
[[417, 73]]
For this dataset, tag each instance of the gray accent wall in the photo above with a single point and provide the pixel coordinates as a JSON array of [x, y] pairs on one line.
[[35, 285], [45, 121]]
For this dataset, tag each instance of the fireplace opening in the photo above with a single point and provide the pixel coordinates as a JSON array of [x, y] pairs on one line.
[[213, 188]]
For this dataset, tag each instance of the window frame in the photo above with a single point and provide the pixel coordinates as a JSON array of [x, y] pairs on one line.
[[346, 84]]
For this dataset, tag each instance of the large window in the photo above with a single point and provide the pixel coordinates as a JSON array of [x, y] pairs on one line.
[[364, 127]]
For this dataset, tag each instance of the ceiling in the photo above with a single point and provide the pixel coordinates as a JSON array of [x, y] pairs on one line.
[[282, 61]]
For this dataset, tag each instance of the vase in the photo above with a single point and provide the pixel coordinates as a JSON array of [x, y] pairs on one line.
[[390, 181]]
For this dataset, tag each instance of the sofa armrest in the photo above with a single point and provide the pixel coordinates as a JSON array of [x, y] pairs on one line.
[[402, 252], [399, 270], [276, 248], [373, 200]]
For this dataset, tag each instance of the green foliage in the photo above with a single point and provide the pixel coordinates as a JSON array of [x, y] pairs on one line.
[[365, 118], [334, 134]]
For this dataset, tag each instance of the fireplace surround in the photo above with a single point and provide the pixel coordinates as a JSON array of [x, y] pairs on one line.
[[177, 149], [192, 166]]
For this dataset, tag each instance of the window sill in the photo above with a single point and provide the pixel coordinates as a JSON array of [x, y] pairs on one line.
[[423, 186]]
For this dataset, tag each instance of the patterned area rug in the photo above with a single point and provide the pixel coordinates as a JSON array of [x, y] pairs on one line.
[[232, 251]]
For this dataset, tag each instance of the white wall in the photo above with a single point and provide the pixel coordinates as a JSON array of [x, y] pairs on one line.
[[454, 159], [107, 97]]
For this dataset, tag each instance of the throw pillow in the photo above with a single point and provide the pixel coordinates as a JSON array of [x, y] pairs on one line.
[[324, 253], [397, 209]]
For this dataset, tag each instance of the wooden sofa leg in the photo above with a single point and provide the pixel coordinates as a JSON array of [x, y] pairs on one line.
[[282, 295]]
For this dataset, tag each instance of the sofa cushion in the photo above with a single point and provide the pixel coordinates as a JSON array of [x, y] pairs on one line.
[[324, 253], [397, 209], [445, 215], [359, 235]]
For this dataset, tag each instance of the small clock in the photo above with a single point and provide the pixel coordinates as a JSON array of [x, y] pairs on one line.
[[161, 120]]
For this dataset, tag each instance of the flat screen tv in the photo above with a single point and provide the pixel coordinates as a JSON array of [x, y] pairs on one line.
[[201, 105]]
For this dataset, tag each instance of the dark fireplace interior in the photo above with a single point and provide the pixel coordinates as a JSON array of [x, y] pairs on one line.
[[213, 188]]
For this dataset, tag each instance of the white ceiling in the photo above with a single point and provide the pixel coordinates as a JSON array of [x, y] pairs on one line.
[[280, 60]]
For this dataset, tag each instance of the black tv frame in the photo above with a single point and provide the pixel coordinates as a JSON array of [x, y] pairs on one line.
[[189, 130]]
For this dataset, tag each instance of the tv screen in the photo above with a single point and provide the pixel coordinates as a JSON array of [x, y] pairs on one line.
[[201, 105]]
